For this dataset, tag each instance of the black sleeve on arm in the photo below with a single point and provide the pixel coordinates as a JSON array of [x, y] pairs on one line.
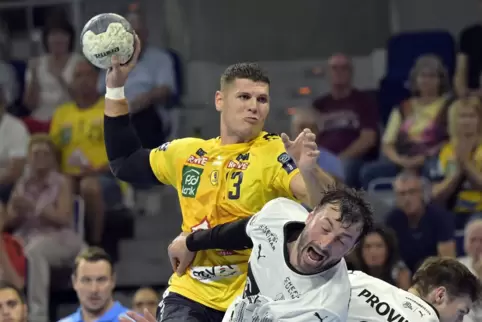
[[230, 236], [127, 159]]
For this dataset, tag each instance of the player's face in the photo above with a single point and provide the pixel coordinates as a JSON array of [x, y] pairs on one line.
[[58, 42], [244, 106], [85, 78], [11, 307], [452, 309], [324, 240], [94, 284], [374, 250], [145, 299]]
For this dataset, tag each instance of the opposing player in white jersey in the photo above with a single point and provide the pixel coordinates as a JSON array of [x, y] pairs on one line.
[[297, 256], [443, 290]]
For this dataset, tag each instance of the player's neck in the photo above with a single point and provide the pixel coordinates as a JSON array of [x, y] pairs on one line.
[[93, 317], [414, 291], [228, 138]]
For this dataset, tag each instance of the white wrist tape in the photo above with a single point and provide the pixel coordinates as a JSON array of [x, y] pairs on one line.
[[115, 93]]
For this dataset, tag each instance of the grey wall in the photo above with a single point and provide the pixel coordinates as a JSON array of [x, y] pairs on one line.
[[224, 31]]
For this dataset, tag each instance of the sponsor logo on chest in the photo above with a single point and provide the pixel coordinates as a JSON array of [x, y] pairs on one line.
[[191, 177]]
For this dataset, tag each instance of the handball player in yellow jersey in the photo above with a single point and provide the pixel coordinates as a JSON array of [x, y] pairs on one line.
[[218, 180]]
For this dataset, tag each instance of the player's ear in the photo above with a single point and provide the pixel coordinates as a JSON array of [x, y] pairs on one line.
[[219, 100], [440, 295]]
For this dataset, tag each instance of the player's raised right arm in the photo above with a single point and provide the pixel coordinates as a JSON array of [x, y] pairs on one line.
[[128, 160]]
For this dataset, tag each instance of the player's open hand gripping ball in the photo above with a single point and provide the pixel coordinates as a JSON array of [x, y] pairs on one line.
[[303, 149], [116, 75], [179, 255]]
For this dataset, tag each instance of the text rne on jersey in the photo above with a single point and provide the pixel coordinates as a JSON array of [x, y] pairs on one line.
[[381, 308], [197, 160]]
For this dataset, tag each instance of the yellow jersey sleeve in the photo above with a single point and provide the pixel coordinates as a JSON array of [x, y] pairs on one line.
[[166, 158], [393, 127], [285, 169]]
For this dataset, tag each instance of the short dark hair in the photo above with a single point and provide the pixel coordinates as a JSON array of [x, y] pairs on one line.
[[449, 273], [58, 25], [251, 71], [4, 285], [92, 255], [352, 206]]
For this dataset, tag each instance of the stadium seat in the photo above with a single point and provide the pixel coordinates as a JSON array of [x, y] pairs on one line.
[[179, 77], [380, 193], [17, 107], [402, 51], [79, 216], [459, 242]]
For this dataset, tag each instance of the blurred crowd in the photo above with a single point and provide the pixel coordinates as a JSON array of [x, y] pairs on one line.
[[52, 156]]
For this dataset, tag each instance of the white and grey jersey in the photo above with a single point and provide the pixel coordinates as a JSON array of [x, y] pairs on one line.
[[373, 300], [318, 297]]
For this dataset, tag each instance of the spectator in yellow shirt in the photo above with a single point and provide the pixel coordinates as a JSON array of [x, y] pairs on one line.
[[77, 129], [418, 127], [459, 172]]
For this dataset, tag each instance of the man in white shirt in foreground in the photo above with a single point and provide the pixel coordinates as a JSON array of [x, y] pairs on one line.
[[443, 290], [296, 269]]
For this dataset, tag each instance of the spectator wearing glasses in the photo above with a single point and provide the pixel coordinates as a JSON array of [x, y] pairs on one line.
[[418, 224], [347, 120]]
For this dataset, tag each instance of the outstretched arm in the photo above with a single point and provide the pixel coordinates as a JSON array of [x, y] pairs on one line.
[[128, 160]]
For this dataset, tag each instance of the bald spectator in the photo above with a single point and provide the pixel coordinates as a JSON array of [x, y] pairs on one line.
[[149, 88], [145, 298], [347, 120], [305, 118]]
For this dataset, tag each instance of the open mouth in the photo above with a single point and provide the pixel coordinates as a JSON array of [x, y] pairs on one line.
[[314, 255]]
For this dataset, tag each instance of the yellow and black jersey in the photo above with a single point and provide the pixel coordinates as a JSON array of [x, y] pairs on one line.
[[217, 184]]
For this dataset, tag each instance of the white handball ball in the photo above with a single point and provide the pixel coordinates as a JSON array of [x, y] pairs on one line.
[[106, 35]]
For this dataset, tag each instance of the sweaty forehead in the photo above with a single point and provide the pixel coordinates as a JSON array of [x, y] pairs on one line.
[[242, 85]]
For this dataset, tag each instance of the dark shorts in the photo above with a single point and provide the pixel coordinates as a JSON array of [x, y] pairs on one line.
[[177, 308]]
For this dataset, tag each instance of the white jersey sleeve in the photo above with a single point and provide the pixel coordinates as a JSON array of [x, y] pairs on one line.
[[373, 300]]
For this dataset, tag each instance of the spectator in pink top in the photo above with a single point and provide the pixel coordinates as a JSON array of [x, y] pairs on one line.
[[347, 120], [40, 212]]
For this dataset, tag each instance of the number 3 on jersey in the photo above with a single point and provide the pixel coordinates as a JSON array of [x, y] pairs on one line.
[[235, 190]]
